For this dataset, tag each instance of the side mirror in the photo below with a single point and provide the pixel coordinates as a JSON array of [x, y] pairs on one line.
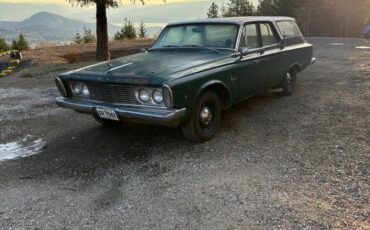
[[282, 43], [241, 52], [244, 51], [142, 50]]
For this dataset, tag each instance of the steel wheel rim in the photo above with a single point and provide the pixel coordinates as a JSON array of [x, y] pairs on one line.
[[206, 116]]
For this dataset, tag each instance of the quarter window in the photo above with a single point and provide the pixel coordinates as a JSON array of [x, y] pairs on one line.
[[288, 29], [268, 35], [250, 38]]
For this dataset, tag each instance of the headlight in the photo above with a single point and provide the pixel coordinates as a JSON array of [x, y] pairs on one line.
[[80, 90], [144, 95], [85, 91], [157, 96], [77, 88]]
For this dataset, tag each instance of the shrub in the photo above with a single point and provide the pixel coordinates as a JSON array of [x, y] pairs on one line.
[[127, 31]]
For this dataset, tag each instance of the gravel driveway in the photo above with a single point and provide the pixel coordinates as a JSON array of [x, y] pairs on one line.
[[299, 162]]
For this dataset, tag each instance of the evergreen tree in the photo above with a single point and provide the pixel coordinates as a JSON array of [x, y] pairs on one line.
[[127, 31], [78, 39], [266, 8], [142, 30], [3, 45], [20, 44], [287, 7], [213, 11], [89, 36], [237, 8], [101, 23]]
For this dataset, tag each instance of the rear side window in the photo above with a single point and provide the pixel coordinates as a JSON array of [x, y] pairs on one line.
[[268, 35], [288, 29], [250, 37]]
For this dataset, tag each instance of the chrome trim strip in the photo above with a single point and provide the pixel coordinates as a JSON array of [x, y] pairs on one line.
[[62, 89], [237, 43], [171, 95], [118, 67], [152, 115]]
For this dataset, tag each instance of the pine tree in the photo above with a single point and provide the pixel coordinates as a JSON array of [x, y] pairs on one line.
[[237, 8], [127, 31], [142, 30], [20, 44], [89, 36], [213, 11], [78, 39], [3, 45], [266, 8]]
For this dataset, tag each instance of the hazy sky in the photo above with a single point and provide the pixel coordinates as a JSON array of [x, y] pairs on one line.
[[66, 2]]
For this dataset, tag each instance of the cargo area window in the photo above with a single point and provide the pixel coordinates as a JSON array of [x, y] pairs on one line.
[[288, 29]]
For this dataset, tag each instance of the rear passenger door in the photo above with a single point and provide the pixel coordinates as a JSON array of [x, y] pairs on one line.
[[273, 62]]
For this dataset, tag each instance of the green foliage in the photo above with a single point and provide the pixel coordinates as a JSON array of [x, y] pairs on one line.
[[89, 36], [78, 39], [20, 44], [237, 8], [3, 45], [108, 3], [142, 30], [127, 31], [213, 11], [266, 8]]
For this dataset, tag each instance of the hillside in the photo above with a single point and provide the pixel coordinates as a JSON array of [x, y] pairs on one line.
[[46, 27]]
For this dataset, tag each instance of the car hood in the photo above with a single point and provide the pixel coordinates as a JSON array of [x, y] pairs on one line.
[[156, 67]]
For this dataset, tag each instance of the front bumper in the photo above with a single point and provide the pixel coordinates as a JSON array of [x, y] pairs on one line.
[[133, 113]]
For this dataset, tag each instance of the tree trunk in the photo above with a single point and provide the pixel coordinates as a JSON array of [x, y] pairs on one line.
[[102, 52]]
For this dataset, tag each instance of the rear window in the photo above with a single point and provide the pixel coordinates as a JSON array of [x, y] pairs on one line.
[[288, 29]]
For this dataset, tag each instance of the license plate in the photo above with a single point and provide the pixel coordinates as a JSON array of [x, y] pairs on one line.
[[107, 114]]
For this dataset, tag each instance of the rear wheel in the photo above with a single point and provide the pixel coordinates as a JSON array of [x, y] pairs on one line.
[[289, 82], [205, 118]]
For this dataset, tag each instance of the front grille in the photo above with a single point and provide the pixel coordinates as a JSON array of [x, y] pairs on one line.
[[109, 93]]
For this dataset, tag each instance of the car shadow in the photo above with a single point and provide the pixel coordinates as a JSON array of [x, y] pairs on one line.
[[89, 151]]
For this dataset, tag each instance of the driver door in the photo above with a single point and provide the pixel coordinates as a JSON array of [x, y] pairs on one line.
[[251, 72]]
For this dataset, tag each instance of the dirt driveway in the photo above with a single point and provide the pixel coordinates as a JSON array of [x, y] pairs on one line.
[[299, 162]]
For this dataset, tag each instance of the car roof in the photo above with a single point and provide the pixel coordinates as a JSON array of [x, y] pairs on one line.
[[234, 20]]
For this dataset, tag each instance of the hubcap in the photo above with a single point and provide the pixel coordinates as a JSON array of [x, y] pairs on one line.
[[288, 78], [205, 116]]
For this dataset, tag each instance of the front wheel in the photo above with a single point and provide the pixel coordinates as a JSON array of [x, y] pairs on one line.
[[289, 82], [205, 118]]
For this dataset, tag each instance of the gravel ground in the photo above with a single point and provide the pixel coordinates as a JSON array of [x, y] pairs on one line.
[[299, 162]]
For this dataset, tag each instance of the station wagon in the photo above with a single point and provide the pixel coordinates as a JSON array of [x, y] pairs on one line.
[[194, 70]]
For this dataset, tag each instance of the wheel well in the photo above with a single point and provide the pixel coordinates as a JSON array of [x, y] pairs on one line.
[[222, 93], [295, 68]]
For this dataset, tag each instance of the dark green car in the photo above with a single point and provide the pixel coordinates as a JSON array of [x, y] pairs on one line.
[[193, 71]]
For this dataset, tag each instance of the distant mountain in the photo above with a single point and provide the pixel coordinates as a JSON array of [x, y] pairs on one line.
[[46, 27], [53, 21]]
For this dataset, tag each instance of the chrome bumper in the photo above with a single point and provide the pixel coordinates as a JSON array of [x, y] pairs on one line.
[[313, 61], [134, 113]]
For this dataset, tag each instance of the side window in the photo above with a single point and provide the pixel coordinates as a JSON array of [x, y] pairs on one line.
[[268, 35], [249, 37], [288, 29]]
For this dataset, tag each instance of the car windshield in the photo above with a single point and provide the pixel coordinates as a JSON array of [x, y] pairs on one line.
[[198, 35]]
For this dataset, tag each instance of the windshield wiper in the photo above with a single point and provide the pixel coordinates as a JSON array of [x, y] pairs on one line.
[[200, 47]]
